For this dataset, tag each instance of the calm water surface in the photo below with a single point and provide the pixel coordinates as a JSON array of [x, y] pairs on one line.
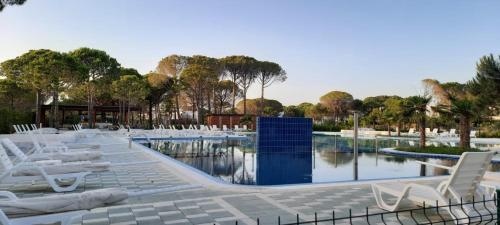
[[331, 159]]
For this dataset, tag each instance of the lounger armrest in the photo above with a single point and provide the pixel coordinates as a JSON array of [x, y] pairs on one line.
[[434, 165], [8, 194]]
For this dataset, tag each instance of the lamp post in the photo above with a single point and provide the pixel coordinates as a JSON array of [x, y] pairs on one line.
[[355, 142]]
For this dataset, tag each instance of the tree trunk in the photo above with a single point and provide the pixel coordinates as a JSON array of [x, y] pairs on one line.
[[55, 104], [244, 102], [389, 129], [209, 105], [261, 107], [422, 132], [128, 112], [234, 96], [177, 107], [38, 107], [150, 115], [464, 132], [193, 108], [90, 115], [399, 129]]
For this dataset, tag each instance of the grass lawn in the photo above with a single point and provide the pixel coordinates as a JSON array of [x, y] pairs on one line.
[[438, 150]]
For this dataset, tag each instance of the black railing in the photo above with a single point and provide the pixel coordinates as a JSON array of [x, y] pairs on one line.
[[483, 211]]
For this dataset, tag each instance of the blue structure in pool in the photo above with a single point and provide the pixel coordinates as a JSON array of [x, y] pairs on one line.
[[284, 150]]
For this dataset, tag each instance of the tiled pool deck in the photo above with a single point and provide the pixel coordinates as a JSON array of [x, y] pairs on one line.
[[211, 203]]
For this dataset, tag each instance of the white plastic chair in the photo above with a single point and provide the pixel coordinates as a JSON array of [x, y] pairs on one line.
[[462, 185]]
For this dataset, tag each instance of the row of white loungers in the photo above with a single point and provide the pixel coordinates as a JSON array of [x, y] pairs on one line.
[[63, 168], [435, 133], [191, 131]]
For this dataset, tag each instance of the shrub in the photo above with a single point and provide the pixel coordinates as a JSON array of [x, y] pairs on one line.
[[9, 117]]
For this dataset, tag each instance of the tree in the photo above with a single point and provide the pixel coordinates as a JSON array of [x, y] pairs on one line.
[[129, 71], [456, 101], [293, 111], [45, 72], [241, 71], [486, 83], [62, 72], [267, 74], [393, 113], [130, 89], [195, 78], [337, 102], [416, 106], [317, 112], [158, 86], [100, 70], [271, 107], [11, 92], [172, 66], [305, 106], [222, 97], [4, 3], [214, 66]]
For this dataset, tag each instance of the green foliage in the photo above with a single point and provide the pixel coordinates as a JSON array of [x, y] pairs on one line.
[[438, 150], [10, 117], [490, 129], [222, 94], [271, 107], [129, 88], [4, 3], [486, 84], [317, 112], [129, 71], [330, 126], [246, 119], [337, 103], [293, 111]]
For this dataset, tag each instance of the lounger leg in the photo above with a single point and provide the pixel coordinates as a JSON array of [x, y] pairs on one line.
[[58, 188], [382, 204]]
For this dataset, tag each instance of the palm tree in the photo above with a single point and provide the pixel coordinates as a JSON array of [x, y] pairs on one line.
[[464, 109], [456, 101], [416, 106]]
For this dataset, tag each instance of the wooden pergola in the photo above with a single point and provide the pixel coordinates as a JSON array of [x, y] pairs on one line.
[[99, 111]]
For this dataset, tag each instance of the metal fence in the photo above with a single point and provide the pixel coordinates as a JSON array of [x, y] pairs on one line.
[[483, 211]]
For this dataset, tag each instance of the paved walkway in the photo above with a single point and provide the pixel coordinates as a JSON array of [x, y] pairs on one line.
[[208, 204]]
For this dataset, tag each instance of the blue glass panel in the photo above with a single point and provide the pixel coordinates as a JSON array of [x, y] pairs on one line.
[[284, 150]]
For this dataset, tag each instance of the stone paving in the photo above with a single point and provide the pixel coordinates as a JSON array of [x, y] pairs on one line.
[[204, 205]]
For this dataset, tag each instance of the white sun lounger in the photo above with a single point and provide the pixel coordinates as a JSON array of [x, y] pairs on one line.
[[67, 208], [56, 181], [463, 184], [54, 166], [64, 218]]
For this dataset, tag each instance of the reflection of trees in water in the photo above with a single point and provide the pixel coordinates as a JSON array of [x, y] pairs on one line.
[[495, 167], [336, 158], [224, 160], [394, 159]]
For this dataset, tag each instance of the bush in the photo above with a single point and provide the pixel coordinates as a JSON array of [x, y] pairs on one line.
[[438, 150], [490, 130], [327, 126], [9, 117]]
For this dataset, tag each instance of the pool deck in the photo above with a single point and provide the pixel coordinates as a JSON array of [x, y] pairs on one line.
[[214, 202]]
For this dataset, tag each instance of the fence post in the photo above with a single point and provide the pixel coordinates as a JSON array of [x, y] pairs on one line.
[[498, 204]]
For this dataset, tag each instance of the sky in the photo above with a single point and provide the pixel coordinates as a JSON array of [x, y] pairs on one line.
[[366, 48]]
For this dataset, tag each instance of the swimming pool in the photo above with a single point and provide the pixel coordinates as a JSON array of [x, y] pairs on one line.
[[331, 160]]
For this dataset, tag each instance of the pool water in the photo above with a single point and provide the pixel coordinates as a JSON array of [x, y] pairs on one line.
[[330, 160]]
